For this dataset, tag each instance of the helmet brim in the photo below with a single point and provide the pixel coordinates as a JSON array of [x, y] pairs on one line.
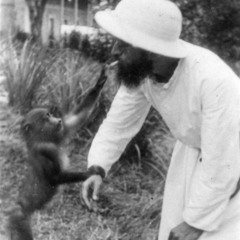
[[120, 28]]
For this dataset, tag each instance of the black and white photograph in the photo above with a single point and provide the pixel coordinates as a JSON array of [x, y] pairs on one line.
[[119, 120]]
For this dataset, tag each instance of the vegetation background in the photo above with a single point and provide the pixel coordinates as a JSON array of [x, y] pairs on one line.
[[130, 201]]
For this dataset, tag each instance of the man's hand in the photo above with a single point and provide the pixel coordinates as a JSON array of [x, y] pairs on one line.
[[185, 232], [95, 182]]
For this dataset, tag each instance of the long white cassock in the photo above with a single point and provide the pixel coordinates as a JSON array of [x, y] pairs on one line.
[[201, 106]]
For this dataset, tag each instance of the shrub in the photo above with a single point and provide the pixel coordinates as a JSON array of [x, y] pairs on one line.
[[25, 70], [214, 24], [74, 40], [68, 77]]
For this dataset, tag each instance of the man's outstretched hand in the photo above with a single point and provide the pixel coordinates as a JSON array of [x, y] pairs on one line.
[[93, 182], [185, 232]]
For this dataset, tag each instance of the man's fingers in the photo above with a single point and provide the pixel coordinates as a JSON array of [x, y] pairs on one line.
[[94, 181], [96, 189], [85, 189]]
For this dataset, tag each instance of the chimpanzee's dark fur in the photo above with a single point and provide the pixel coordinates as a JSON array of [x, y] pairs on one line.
[[44, 135]]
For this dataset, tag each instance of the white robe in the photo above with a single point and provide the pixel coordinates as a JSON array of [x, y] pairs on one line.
[[201, 106]]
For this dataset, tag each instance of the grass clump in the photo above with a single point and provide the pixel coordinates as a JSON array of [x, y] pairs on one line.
[[69, 76], [25, 69]]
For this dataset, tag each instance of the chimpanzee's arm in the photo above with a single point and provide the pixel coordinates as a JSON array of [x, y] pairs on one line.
[[82, 111], [49, 166], [52, 172], [47, 161], [71, 177]]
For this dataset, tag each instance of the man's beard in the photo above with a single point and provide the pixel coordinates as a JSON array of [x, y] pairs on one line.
[[132, 74]]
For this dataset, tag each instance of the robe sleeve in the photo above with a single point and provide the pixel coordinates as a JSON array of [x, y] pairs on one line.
[[217, 173], [124, 119]]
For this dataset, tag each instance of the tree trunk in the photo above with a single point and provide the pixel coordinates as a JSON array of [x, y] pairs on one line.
[[36, 10]]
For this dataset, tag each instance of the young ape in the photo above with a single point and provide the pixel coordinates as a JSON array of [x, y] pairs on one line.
[[44, 136]]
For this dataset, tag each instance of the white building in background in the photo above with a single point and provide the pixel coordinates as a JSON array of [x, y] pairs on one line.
[[14, 16]]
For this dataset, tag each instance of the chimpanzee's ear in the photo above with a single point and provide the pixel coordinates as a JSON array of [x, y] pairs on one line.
[[26, 126]]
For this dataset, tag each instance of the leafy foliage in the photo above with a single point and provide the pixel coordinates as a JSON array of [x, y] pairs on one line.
[[214, 24], [25, 70], [69, 76]]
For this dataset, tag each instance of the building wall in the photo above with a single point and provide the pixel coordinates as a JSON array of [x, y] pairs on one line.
[[14, 15], [22, 21], [52, 18], [51, 12], [52, 15], [7, 16]]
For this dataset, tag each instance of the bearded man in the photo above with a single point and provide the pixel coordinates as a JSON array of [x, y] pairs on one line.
[[198, 96]]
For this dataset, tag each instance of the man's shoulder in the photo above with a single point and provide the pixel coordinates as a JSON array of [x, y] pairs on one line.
[[198, 54], [205, 62], [204, 67]]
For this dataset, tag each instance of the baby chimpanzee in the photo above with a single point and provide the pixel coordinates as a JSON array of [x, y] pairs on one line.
[[44, 136]]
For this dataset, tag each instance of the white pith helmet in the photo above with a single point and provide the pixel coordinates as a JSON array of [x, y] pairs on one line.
[[153, 25]]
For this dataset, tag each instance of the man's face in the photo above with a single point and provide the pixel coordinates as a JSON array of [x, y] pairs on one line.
[[134, 64]]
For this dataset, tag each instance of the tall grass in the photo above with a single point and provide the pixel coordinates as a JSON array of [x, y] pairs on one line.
[[70, 75], [25, 69]]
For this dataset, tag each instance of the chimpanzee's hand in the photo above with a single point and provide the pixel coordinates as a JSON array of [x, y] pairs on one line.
[[185, 232], [94, 182]]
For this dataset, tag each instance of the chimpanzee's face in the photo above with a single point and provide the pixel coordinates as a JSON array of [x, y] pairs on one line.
[[40, 125]]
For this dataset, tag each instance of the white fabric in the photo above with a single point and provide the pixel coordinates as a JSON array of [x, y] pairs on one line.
[[201, 106]]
